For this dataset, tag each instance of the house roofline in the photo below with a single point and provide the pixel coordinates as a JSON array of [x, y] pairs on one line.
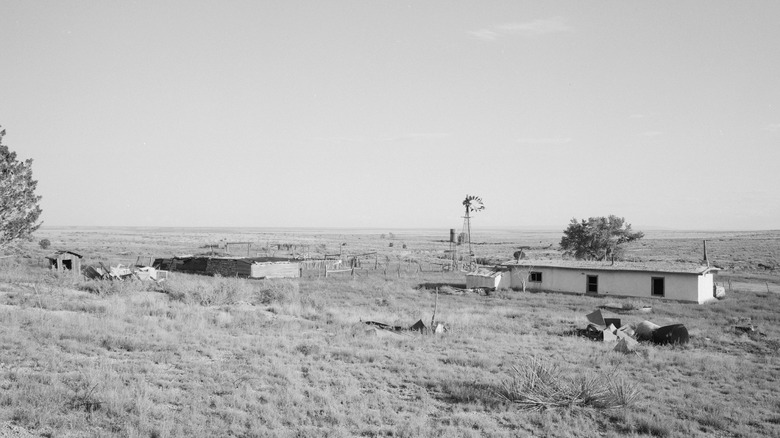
[[702, 270]]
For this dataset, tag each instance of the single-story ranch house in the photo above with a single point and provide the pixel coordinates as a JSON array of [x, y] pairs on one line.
[[674, 281]]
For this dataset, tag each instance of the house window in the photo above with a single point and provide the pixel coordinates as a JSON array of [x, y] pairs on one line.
[[593, 284], [535, 277], [657, 288]]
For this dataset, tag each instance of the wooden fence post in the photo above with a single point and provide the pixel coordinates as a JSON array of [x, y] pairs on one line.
[[435, 306]]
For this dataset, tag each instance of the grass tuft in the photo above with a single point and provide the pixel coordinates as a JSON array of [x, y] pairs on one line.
[[653, 427], [83, 395]]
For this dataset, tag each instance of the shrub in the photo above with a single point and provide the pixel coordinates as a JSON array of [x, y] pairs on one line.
[[208, 291], [15, 271], [219, 291], [113, 287], [58, 281], [285, 297], [308, 349], [279, 292], [535, 385], [44, 243]]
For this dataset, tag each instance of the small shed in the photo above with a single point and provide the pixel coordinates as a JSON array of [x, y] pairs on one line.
[[65, 261], [244, 267], [493, 279]]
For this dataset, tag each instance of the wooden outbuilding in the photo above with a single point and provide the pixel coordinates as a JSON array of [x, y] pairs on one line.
[[491, 279], [62, 261], [243, 267]]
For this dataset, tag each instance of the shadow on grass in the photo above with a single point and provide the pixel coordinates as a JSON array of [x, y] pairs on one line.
[[439, 285], [465, 392]]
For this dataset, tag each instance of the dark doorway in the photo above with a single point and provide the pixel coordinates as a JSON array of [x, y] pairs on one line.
[[657, 287]]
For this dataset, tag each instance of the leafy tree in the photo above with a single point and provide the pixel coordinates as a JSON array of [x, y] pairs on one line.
[[19, 210], [598, 238]]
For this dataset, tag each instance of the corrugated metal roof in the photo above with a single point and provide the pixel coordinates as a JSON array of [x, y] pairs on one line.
[[249, 260], [58, 253], [651, 266]]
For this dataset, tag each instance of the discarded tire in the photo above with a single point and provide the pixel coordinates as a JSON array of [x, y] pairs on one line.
[[671, 334], [644, 331]]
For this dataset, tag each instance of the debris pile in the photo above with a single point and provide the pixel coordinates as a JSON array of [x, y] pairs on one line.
[[419, 326], [745, 325], [628, 336], [627, 308], [123, 272]]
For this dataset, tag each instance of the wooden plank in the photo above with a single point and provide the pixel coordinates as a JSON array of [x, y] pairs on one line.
[[276, 270]]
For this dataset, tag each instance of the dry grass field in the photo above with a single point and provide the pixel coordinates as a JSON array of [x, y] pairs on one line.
[[203, 356]]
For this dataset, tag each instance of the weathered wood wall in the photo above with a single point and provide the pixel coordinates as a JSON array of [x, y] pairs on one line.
[[276, 270]]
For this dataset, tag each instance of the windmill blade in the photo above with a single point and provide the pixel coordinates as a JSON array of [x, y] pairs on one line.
[[473, 203], [470, 199]]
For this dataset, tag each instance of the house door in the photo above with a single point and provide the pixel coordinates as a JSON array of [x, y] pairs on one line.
[[592, 285]]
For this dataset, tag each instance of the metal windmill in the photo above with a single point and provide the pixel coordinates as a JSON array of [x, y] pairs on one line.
[[471, 204]]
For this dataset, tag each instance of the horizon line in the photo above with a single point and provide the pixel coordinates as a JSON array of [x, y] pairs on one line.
[[387, 229]]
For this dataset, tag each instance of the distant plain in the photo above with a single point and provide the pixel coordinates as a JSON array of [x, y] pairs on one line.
[[204, 356]]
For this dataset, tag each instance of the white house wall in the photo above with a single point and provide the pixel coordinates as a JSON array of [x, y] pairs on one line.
[[706, 288], [505, 281], [677, 286]]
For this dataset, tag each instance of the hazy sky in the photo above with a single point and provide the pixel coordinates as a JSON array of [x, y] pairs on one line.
[[387, 113]]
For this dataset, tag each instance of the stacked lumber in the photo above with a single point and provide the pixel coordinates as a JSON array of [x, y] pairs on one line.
[[192, 264]]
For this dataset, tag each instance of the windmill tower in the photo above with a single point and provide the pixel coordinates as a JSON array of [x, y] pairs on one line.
[[471, 204]]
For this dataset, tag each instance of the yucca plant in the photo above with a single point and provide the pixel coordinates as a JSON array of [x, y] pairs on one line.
[[536, 385]]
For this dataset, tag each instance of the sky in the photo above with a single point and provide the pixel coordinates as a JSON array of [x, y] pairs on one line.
[[386, 114]]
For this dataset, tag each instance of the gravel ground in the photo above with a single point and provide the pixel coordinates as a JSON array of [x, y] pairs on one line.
[[8, 430]]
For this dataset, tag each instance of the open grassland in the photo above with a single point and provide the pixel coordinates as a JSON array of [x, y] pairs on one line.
[[201, 356]]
